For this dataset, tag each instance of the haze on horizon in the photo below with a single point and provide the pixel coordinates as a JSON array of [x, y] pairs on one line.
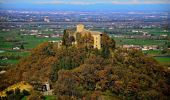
[[87, 5]]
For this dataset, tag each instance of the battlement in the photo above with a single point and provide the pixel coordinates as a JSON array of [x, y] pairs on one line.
[[80, 27]]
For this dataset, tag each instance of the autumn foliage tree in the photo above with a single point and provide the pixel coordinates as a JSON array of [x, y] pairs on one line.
[[82, 72]]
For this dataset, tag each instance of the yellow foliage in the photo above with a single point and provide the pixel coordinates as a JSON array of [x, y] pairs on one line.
[[21, 85]]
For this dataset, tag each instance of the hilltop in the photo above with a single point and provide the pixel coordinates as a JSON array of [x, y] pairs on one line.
[[82, 72]]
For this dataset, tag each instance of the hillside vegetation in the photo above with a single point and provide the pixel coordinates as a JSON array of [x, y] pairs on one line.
[[82, 72]]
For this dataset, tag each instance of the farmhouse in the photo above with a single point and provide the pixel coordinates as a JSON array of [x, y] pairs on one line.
[[149, 47], [137, 47], [16, 48]]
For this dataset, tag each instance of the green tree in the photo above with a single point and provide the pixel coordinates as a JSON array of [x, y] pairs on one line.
[[22, 46], [65, 38], [68, 38], [108, 45]]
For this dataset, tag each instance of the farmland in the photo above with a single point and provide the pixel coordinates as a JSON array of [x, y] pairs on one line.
[[14, 39], [122, 41], [163, 60], [161, 43], [154, 31], [153, 38]]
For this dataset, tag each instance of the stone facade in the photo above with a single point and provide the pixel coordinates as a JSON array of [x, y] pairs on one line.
[[80, 28], [95, 34]]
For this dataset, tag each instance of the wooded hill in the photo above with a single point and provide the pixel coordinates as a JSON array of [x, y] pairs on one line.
[[82, 72]]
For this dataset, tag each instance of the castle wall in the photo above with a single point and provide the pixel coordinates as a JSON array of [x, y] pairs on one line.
[[80, 27], [97, 41], [95, 34]]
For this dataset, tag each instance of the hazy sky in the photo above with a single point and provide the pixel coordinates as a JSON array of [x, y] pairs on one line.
[[87, 5], [85, 2]]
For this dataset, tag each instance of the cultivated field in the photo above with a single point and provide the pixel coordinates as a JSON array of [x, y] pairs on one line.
[[14, 38]]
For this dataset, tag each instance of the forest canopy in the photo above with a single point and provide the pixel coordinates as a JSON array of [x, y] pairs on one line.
[[82, 72]]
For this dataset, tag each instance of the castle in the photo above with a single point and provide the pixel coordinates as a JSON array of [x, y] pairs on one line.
[[95, 34]]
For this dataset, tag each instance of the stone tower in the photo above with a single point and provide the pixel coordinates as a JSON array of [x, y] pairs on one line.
[[80, 27], [97, 39], [95, 34]]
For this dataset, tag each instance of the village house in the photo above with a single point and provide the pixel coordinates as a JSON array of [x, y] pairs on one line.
[[2, 72], [143, 48], [164, 35], [56, 35], [149, 47], [137, 47], [16, 48]]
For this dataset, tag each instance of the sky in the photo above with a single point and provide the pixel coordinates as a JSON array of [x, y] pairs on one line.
[[126, 5], [86, 2]]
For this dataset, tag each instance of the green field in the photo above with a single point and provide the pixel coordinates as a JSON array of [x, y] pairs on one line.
[[122, 41], [152, 52], [13, 38], [155, 31], [32, 41], [125, 31], [50, 98], [158, 56], [13, 57], [8, 62], [163, 60], [141, 42], [15, 53]]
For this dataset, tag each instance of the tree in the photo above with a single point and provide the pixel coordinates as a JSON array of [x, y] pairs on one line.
[[76, 72], [85, 40], [78, 38], [105, 52], [54, 72], [22, 46], [65, 38], [88, 40], [106, 41], [25, 92], [35, 96], [71, 39], [107, 44], [68, 38], [16, 94]]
